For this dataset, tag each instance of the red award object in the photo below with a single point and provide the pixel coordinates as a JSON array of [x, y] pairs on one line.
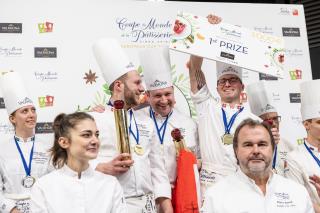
[[184, 195]]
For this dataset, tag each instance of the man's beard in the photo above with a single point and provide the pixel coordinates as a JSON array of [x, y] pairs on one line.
[[129, 97]]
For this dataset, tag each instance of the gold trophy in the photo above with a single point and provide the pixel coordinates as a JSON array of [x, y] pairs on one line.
[[178, 141], [120, 118]]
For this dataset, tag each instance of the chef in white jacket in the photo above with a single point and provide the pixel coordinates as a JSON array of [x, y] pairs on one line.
[[156, 67], [262, 106], [75, 186], [304, 161], [24, 156], [254, 187], [217, 121], [146, 179]]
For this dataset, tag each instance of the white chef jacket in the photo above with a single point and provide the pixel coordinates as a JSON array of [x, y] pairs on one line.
[[301, 165], [188, 128], [148, 174], [283, 149], [62, 191], [218, 160], [13, 171], [238, 193]]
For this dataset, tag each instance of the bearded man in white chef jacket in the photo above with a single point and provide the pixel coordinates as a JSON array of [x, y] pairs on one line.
[[143, 177]]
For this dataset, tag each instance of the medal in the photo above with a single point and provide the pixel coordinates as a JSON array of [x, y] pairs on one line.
[[138, 149], [227, 139], [28, 181]]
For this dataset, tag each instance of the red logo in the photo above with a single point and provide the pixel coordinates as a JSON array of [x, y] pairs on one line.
[[295, 12], [46, 101], [45, 27], [295, 74]]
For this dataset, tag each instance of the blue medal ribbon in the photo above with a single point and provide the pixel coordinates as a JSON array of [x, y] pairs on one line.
[[227, 126], [163, 126], [274, 158], [27, 168], [311, 153], [136, 136]]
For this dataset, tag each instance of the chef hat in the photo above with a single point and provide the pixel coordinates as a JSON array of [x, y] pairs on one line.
[[14, 93], [310, 99], [156, 67], [224, 69], [112, 59], [258, 99]]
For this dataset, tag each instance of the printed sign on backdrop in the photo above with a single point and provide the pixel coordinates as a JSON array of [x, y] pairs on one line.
[[228, 43]]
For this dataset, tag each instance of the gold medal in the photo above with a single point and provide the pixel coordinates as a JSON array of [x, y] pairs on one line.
[[138, 149], [227, 139]]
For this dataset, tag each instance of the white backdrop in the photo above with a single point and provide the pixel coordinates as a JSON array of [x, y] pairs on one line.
[[56, 82]]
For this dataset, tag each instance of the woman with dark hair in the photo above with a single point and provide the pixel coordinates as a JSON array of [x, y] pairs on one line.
[[23, 155], [75, 186]]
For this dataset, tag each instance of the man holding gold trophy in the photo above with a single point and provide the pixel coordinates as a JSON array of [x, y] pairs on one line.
[[141, 172]]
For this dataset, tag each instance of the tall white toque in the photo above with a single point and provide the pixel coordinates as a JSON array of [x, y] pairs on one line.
[[224, 69], [156, 67], [258, 99], [14, 93], [111, 59], [310, 99]]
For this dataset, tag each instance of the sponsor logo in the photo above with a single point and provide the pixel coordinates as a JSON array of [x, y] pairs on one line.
[[2, 105], [276, 96], [10, 51], [26, 100], [295, 12], [44, 128], [291, 31], [158, 83], [46, 76], [264, 29], [295, 74], [90, 77], [288, 12], [230, 32], [46, 27], [270, 39], [45, 52], [293, 52], [10, 27], [6, 128], [282, 195], [295, 98], [296, 119], [46, 101], [227, 55], [263, 76]]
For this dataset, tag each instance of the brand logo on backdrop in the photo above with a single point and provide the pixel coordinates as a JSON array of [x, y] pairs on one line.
[[227, 55], [2, 105], [46, 101], [45, 27], [286, 11], [10, 27], [158, 83], [90, 77], [295, 98], [263, 76], [266, 38], [275, 96], [6, 128], [243, 97], [10, 51], [149, 31], [264, 29], [293, 52], [291, 31], [46, 76], [44, 128], [45, 52], [295, 74], [296, 119]]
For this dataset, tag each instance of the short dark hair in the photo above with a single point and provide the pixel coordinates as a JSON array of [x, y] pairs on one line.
[[61, 128], [252, 123]]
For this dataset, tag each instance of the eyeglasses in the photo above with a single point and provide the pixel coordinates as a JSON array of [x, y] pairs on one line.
[[276, 119], [231, 81]]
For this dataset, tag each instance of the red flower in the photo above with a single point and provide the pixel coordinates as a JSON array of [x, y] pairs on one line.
[[178, 27]]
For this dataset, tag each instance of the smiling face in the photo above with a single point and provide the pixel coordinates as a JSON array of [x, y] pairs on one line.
[[254, 151], [162, 100], [24, 119], [82, 143], [229, 87]]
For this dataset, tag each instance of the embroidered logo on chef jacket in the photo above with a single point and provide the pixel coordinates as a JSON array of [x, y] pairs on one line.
[[207, 177], [23, 206], [144, 131], [283, 200], [150, 206], [40, 157]]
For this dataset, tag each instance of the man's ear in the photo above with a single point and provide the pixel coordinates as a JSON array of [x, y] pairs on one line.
[[118, 85], [242, 88], [64, 142], [12, 119], [306, 124]]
